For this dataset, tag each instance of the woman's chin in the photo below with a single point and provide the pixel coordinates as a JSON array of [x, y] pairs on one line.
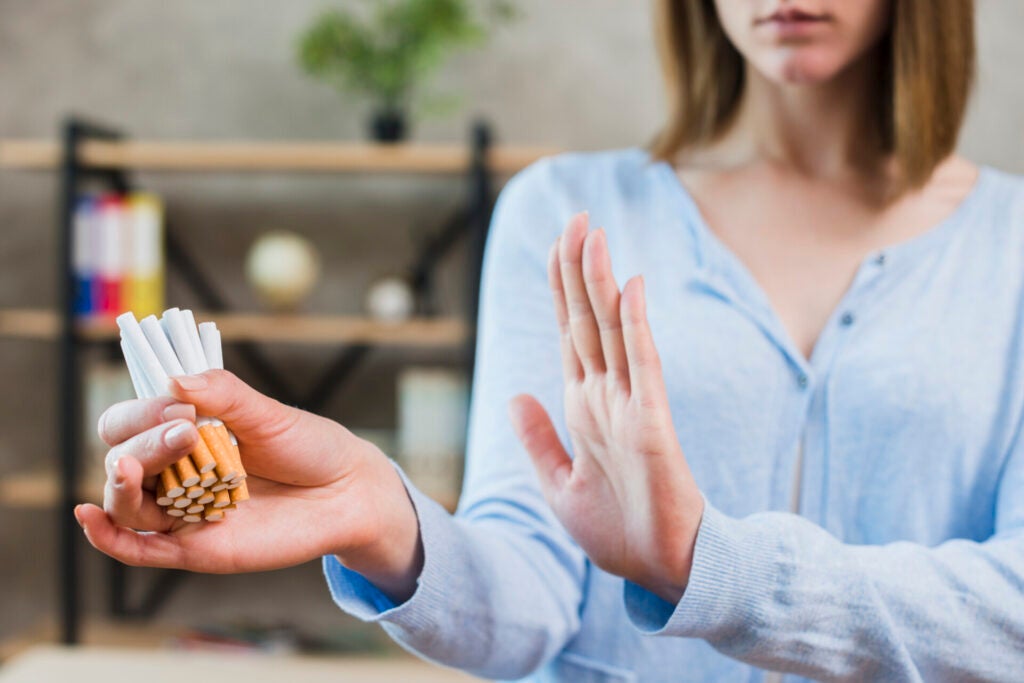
[[800, 67]]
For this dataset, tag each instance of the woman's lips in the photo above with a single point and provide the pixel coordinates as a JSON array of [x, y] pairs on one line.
[[792, 22]]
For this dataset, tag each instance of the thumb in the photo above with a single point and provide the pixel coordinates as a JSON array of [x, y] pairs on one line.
[[534, 428], [220, 394]]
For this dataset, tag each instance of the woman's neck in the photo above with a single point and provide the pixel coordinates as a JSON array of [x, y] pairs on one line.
[[822, 130]]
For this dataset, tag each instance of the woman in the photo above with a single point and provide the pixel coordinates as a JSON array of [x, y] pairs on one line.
[[822, 474]]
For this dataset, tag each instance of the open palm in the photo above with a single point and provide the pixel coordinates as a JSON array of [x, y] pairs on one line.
[[628, 497]]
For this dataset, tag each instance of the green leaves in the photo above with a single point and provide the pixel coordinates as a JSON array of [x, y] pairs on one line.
[[386, 53]]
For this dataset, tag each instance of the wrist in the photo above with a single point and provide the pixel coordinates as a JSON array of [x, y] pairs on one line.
[[668, 576], [388, 550]]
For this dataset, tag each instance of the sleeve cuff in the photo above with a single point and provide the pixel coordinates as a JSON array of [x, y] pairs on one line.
[[733, 570], [355, 595]]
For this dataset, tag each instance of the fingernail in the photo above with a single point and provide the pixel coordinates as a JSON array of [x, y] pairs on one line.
[[179, 436], [78, 516], [118, 474], [190, 382], [179, 411]]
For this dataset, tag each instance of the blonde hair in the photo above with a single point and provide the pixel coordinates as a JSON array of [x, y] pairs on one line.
[[927, 73]]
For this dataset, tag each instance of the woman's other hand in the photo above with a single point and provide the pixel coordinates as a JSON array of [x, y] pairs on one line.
[[627, 496], [316, 489]]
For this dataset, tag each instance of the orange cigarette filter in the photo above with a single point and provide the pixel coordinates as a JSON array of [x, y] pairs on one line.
[[202, 457], [162, 499], [213, 514], [209, 482], [224, 438], [226, 468], [187, 472], [239, 494], [221, 499], [171, 483]]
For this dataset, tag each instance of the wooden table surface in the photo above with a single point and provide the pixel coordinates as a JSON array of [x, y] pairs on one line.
[[103, 665]]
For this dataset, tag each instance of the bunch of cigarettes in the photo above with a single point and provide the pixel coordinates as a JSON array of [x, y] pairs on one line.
[[207, 483]]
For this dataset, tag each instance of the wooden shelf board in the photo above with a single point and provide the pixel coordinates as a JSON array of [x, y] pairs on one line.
[[258, 327], [337, 157], [40, 490]]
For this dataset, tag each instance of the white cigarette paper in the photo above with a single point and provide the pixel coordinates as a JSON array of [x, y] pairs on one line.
[[209, 335], [143, 352], [161, 345], [142, 389], [196, 343], [176, 327]]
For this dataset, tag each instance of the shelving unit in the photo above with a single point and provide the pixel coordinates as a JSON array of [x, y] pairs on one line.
[[255, 327], [92, 153], [42, 155]]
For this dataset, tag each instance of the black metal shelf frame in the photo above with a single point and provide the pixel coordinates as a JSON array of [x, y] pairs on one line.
[[470, 222]]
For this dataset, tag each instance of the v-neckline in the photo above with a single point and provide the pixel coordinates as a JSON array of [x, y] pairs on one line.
[[715, 256]]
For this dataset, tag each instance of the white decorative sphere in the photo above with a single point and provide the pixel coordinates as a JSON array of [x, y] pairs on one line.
[[283, 269], [390, 299]]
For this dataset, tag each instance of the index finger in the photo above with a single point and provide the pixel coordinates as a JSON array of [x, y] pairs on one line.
[[126, 419]]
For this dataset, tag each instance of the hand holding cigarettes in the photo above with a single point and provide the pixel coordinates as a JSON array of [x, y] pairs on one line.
[[207, 483], [316, 488]]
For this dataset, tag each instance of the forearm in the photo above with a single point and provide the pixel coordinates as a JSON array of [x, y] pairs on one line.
[[498, 595], [778, 592]]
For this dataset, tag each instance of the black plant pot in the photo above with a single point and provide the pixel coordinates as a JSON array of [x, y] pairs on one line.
[[388, 126]]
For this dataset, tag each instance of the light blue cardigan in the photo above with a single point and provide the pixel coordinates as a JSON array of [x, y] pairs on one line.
[[906, 560]]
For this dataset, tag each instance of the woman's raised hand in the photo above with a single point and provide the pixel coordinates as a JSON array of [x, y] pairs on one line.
[[316, 490], [627, 496]]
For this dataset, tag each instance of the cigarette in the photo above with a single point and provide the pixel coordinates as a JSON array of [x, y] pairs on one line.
[[139, 381], [194, 340], [161, 346], [213, 514], [202, 457], [171, 483], [222, 453], [231, 447], [187, 472], [221, 499], [239, 494], [209, 336], [139, 346], [162, 499], [211, 480]]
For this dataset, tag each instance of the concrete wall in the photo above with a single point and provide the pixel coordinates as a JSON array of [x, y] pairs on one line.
[[573, 73]]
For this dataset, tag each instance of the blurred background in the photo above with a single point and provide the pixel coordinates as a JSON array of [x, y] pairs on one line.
[[316, 179]]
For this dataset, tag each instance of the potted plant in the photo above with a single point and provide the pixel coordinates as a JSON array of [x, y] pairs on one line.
[[388, 52]]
